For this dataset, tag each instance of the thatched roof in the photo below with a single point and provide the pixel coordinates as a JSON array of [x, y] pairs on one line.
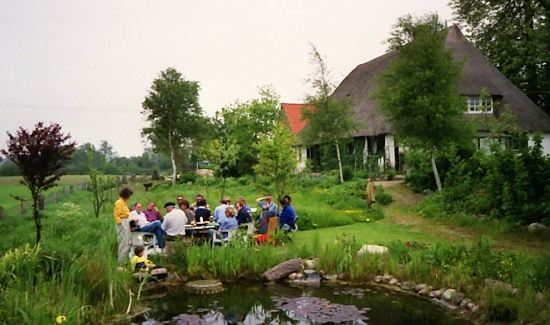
[[477, 73]]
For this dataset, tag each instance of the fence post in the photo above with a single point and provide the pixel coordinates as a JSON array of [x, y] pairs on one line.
[[22, 205]]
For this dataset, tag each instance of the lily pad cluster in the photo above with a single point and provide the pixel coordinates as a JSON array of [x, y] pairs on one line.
[[318, 310]]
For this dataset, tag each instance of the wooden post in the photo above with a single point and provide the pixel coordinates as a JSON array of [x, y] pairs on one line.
[[22, 206]]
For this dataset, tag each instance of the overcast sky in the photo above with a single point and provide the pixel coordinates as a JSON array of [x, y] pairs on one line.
[[87, 65]]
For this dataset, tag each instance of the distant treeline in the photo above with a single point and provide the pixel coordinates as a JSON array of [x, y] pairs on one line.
[[106, 160]]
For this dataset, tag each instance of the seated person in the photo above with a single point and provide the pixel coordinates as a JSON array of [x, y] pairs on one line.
[[142, 224], [184, 206], [201, 211], [140, 263], [244, 213], [263, 221], [287, 218], [219, 211], [266, 204], [198, 198], [228, 223], [174, 221], [152, 213]]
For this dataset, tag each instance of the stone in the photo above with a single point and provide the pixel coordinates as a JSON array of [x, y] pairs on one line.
[[424, 292], [452, 296], [445, 304], [474, 309], [330, 277], [393, 281], [435, 294], [342, 276], [159, 271], [283, 270], [204, 286], [407, 285], [372, 249], [310, 264], [464, 303], [378, 279], [470, 305], [299, 276], [420, 287], [292, 276], [536, 228], [386, 278]]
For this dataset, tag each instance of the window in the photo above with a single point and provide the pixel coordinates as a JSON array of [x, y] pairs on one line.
[[478, 105]]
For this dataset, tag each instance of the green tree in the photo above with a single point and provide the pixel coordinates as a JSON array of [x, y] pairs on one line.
[[331, 121], [99, 183], [418, 92], [174, 115], [245, 123], [277, 160], [515, 36], [41, 155]]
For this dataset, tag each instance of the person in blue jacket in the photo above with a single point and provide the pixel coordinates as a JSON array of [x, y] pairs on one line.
[[287, 217]]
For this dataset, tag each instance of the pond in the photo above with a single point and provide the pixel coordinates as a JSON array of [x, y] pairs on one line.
[[281, 304]]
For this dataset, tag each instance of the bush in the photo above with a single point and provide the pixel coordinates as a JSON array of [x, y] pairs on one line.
[[347, 173], [187, 177], [382, 197], [419, 170]]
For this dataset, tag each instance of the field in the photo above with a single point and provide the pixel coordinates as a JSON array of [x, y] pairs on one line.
[[77, 254]]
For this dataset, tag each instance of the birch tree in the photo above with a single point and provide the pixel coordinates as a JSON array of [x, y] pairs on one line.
[[331, 121], [174, 115]]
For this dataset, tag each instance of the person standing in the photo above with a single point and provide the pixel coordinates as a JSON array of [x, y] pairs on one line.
[[370, 192], [122, 224], [287, 218], [266, 204]]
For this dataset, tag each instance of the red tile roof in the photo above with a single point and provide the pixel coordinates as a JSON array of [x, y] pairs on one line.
[[293, 114]]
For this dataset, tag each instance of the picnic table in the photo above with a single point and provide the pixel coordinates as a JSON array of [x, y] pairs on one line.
[[199, 230]]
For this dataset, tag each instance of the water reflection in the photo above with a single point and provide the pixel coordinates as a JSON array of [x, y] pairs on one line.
[[258, 304]]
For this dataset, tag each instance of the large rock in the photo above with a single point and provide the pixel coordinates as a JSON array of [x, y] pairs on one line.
[[372, 249], [420, 287], [452, 296], [393, 281], [310, 264], [407, 285], [283, 270], [536, 228]]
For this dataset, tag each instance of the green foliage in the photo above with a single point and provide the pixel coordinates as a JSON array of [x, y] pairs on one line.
[[244, 124], [382, 197], [99, 185], [276, 160], [175, 118], [513, 35], [419, 175], [331, 121], [187, 177], [418, 93], [347, 173]]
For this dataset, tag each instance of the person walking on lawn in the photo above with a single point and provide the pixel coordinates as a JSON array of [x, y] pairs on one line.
[[370, 192]]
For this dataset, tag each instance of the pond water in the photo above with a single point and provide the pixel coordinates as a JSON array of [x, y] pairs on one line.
[[280, 304]]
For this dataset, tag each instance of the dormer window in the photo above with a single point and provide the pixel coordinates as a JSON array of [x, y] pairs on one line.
[[477, 105]]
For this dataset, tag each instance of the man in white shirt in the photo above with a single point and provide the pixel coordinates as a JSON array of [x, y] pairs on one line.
[[142, 224], [219, 212], [174, 221]]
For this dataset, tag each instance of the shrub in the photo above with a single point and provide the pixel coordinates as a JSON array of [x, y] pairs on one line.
[[187, 177], [382, 197], [347, 173]]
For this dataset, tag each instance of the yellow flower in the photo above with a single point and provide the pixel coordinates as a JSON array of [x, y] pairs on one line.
[[60, 319]]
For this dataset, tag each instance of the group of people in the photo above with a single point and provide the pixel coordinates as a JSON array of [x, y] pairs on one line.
[[181, 213]]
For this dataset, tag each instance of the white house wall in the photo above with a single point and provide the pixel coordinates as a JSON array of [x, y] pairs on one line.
[[301, 158], [389, 149], [545, 142]]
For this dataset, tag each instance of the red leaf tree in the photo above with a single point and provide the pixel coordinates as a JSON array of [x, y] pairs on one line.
[[41, 155]]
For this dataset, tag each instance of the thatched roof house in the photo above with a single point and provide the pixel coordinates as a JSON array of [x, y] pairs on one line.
[[477, 73]]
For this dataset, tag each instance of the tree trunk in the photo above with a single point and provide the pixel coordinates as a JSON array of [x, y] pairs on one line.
[[436, 173], [172, 158], [36, 216], [339, 162]]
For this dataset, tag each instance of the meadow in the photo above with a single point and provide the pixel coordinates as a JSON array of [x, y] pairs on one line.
[[74, 272]]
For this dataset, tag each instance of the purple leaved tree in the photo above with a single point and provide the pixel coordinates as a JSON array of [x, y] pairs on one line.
[[41, 155]]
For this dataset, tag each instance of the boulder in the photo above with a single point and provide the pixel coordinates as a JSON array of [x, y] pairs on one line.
[[378, 279], [310, 264], [386, 278], [283, 270], [445, 304], [464, 303], [393, 281], [330, 277], [419, 287], [407, 285], [435, 294], [424, 292], [452, 296], [536, 228], [372, 249], [292, 276]]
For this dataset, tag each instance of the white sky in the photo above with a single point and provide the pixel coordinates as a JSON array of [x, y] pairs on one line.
[[87, 65]]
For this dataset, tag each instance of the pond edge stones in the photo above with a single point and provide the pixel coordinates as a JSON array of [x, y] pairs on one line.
[[204, 287]]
